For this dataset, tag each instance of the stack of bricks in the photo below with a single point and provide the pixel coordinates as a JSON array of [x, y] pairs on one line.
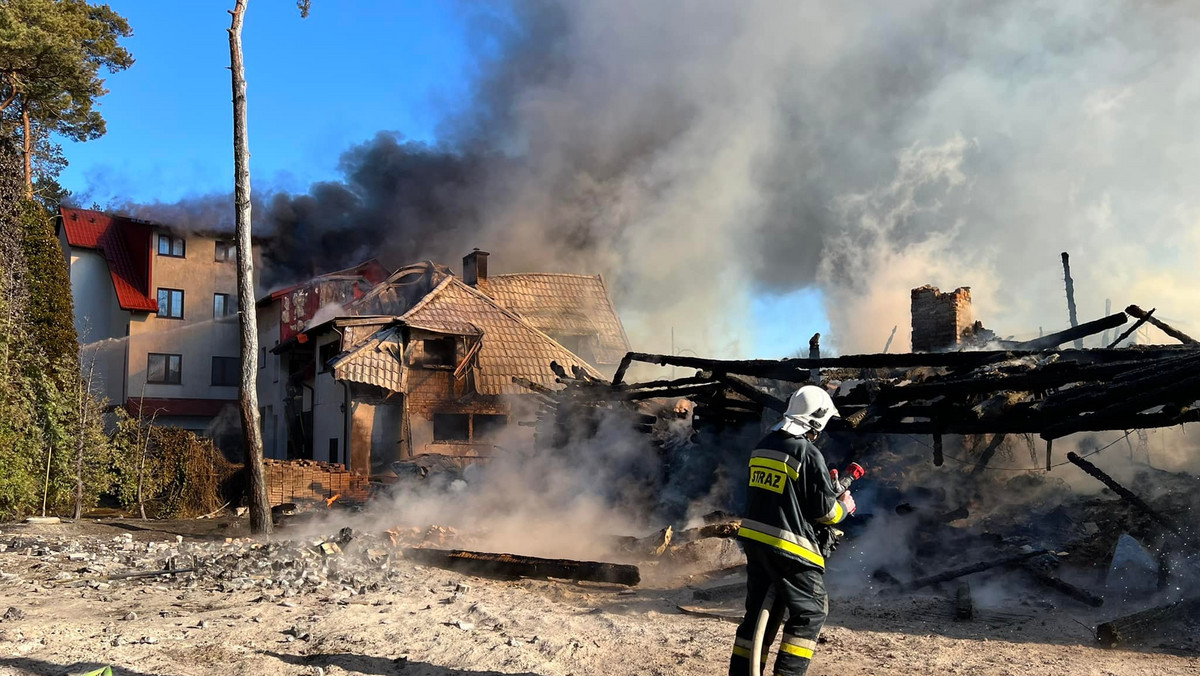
[[940, 319], [310, 480]]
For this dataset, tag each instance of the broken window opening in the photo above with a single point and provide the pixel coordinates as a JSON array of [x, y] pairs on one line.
[[451, 427]]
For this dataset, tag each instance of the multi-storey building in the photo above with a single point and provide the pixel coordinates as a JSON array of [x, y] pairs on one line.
[[155, 308]]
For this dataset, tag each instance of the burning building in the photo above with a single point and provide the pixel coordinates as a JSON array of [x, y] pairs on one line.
[[368, 369]]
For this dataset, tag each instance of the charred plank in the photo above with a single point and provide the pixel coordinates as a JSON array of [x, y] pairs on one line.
[[1125, 494], [490, 564], [1076, 333], [1166, 328], [922, 582], [1146, 624]]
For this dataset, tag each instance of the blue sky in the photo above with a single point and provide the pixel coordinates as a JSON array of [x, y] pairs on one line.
[[315, 87]]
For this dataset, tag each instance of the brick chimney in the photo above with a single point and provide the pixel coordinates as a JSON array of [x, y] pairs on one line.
[[940, 321], [475, 267]]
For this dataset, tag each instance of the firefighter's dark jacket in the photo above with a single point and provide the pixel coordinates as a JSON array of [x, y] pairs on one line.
[[790, 490]]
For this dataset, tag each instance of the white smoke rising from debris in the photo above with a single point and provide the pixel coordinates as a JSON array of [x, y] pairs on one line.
[[699, 154]]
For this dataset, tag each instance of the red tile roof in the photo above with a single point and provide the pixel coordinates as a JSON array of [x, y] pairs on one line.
[[125, 244]]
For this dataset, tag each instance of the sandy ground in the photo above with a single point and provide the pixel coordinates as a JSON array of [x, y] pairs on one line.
[[440, 623]]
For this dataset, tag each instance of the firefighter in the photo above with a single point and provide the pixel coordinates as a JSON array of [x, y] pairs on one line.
[[790, 490]]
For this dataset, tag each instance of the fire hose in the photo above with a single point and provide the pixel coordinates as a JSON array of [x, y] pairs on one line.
[[841, 485]]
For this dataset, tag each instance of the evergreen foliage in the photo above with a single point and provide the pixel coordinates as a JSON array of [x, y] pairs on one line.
[[51, 55]]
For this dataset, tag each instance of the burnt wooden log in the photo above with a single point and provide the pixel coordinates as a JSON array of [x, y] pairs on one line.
[[1166, 328], [716, 530], [1071, 314], [1066, 588], [964, 605], [1146, 624], [1131, 330], [1076, 333], [1125, 494], [922, 582], [489, 564], [938, 457], [988, 453]]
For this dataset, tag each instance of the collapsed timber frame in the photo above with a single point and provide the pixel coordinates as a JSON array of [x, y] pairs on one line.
[[1026, 387]]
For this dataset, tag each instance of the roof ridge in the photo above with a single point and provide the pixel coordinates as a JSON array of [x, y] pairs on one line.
[[425, 300], [525, 323], [547, 274]]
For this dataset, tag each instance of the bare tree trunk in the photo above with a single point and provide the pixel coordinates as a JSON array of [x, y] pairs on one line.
[[144, 438], [27, 142], [49, 456], [260, 512], [85, 407]]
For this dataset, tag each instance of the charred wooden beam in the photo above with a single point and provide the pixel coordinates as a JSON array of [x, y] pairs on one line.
[[1133, 329], [1183, 389], [754, 394], [1071, 314], [1018, 424], [1145, 624], [1166, 328], [1125, 494], [814, 352], [1076, 333], [888, 345], [1066, 588], [968, 570], [988, 452], [796, 370], [512, 565]]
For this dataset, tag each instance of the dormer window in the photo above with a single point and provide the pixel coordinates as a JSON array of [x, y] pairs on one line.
[[438, 352], [170, 246]]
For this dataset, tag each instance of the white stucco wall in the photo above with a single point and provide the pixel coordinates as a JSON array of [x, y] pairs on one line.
[[328, 398]]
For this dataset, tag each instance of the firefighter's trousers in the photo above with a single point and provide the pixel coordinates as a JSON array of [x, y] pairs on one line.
[[798, 591]]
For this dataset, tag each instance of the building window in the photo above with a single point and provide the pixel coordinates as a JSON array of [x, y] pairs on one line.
[[325, 354], [170, 246], [451, 427], [164, 369], [438, 352], [170, 303], [333, 450], [487, 427], [222, 305], [225, 371], [226, 251], [262, 358]]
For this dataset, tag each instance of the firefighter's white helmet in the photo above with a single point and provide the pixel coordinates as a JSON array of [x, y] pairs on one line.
[[809, 408]]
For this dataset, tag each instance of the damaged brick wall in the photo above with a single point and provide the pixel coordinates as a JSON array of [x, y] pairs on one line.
[[310, 480], [940, 320]]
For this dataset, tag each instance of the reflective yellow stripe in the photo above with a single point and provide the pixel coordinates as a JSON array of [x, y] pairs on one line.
[[798, 641], [778, 543], [775, 465], [741, 652], [796, 650], [834, 515]]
